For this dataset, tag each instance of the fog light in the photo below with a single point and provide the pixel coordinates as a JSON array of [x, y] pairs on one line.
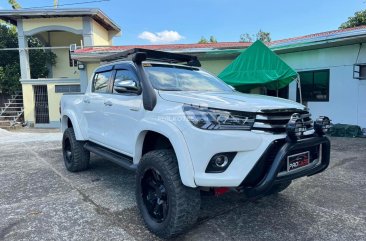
[[220, 162], [322, 125], [295, 127]]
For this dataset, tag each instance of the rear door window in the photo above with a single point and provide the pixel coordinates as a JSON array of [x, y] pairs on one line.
[[101, 82]]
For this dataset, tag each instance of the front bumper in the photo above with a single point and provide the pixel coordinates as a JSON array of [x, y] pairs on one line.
[[273, 173]]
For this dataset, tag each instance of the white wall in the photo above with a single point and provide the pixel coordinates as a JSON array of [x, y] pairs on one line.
[[347, 96]]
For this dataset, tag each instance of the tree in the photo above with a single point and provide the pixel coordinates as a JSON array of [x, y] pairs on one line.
[[245, 37], [203, 40], [261, 35], [14, 4], [213, 39], [9, 59], [264, 36], [357, 20]]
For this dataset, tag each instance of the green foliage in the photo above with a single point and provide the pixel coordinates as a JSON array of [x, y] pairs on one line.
[[357, 20], [14, 4], [39, 59], [9, 60], [261, 35], [246, 37], [264, 36], [213, 39], [203, 40]]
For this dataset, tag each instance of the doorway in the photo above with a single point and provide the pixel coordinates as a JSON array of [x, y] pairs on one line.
[[41, 104]]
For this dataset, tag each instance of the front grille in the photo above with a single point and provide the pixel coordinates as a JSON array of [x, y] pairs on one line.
[[275, 121]]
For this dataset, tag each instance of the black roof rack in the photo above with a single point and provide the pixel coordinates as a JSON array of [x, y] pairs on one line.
[[139, 55]]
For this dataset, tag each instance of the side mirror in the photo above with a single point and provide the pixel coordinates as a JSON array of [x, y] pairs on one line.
[[126, 86]]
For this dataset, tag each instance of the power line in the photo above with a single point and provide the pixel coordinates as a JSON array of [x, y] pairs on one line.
[[68, 4]]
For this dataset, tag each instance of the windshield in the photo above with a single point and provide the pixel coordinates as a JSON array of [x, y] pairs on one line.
[[181, 78]]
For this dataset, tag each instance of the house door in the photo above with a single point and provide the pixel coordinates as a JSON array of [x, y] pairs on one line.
[[41, 104]]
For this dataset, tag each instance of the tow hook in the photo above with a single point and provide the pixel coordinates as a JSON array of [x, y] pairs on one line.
[[218, 191]]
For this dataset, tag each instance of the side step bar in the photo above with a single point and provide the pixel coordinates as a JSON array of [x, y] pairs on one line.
[[118, 158]]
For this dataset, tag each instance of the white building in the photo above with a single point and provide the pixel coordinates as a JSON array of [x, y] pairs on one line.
[[332, 67]]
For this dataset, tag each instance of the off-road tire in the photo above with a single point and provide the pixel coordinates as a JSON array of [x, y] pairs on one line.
[[79, 158], [277, 188], [183, 202]]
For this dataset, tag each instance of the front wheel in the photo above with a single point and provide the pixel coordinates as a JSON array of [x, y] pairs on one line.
[[168, 208]]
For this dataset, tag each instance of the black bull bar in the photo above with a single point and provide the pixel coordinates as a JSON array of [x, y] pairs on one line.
[[271, 176]]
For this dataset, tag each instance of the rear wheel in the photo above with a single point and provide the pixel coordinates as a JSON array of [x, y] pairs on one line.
[[168, 208], [76, 158]]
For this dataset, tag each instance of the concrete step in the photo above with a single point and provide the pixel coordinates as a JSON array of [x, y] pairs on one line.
[[16, 96], [9, 116], [11, 109], [12, 112], [5, 124], [15, 103], [13, 119], [14, 127], [5, 113]]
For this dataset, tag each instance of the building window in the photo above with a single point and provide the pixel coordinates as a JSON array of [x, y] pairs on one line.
[[67, 88], [314, 85], [359, 71], [363, 72]]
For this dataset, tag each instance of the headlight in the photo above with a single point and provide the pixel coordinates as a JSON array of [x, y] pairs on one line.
[[322, 125], [216, 119]]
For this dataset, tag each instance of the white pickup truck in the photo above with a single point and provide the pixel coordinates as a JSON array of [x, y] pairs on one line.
[[184, 131]]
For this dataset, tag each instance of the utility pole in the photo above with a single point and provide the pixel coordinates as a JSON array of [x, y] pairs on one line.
[[55, 3]]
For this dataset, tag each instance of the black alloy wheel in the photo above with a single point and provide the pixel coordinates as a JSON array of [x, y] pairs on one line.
[[154, 195]]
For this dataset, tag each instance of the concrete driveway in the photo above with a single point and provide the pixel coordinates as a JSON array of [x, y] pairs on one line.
[[40, 200]]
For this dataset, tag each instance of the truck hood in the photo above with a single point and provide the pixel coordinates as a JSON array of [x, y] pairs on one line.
[[229, 100]]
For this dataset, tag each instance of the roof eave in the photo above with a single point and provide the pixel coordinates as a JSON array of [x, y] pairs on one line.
[[296, 47], [12, 16]]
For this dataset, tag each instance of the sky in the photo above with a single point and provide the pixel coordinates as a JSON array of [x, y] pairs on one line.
[[186, 21]]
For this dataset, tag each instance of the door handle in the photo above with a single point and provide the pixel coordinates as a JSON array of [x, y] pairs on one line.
[[87, 101], [108, 103], [134, 108]]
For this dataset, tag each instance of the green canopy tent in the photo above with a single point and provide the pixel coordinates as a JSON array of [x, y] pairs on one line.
[[258, 66]]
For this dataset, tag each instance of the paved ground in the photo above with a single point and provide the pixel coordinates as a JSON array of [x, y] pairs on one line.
[[40, 200]]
